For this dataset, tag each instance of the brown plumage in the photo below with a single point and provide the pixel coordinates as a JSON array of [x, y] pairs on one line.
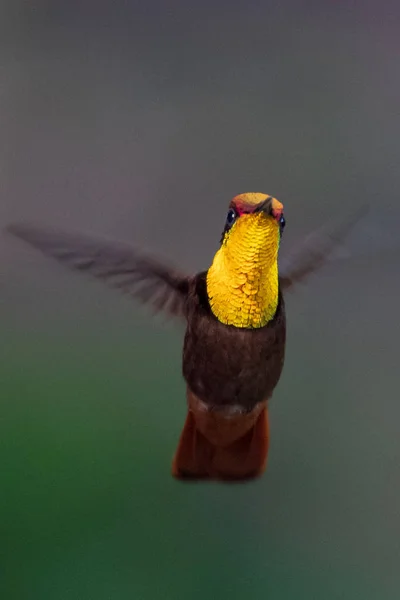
[[225, 365], [230, 371]]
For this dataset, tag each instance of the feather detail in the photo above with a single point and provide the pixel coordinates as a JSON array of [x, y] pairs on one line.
[[119, 265], [314, 251]]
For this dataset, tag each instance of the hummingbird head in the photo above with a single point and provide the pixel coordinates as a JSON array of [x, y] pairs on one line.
[[242, 282], [254, 221]]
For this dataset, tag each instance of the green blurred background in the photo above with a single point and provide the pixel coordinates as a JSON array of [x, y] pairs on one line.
[[140, 120]]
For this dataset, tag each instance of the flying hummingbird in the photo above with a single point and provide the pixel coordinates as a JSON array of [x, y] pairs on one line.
[[234, 345]]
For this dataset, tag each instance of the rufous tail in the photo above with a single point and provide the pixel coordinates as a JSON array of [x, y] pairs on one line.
[[221, 445]]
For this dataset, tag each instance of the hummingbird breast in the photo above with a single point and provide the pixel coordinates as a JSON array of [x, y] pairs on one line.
[[230, 366]]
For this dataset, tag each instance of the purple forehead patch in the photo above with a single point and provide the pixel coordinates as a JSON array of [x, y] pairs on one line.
[[242, 208], [242, 211]]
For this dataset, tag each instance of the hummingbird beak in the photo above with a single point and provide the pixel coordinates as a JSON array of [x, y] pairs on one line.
[[272, 207]]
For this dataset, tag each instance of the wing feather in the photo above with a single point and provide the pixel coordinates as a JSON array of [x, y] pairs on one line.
[[119, 265], [315, 250]]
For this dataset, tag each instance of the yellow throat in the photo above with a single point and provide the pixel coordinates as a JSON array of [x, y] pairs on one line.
[[242, 282]]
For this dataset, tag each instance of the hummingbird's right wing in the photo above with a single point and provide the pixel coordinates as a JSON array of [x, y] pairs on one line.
[[118, 264], [315, 250]]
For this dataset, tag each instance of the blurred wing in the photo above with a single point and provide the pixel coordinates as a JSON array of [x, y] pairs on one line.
[[119, 265], [315, 250]]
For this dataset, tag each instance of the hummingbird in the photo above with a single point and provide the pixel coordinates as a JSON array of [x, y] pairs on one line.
[[234, 312]]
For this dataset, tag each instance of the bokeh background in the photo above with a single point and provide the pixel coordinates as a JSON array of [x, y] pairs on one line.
[[140, 120]]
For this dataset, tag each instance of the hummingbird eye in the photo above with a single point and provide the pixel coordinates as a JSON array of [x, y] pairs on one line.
[[231, 217], [282, 223]]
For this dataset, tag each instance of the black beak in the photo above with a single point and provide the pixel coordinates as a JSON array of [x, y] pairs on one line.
[[265, 206]]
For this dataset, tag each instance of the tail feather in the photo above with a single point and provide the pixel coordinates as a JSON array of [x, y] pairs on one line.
[[194, 454], [201, 454]]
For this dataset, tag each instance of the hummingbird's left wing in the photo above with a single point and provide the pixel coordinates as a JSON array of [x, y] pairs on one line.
[[315, 250], [118, 264]]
